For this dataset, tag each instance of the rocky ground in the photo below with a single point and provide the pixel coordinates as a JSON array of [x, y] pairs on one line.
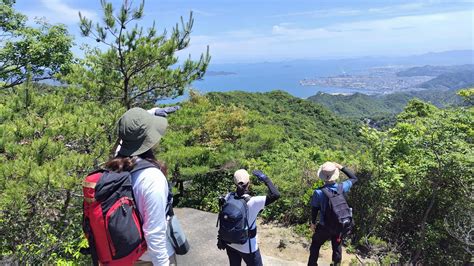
[[284, 243], [279, 245]]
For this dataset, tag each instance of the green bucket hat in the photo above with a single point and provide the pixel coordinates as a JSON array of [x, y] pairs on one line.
[[139, 131]]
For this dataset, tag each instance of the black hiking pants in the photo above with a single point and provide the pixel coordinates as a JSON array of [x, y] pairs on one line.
[[321, 235], [251, 259]]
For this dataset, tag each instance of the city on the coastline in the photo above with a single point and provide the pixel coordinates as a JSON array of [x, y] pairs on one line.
[[377, 80]]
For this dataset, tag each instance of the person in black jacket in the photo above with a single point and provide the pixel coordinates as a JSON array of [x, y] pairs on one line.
[[329, 173]]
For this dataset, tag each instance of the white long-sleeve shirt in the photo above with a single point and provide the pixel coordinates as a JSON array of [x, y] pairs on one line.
[[255, 205], [150, 189]]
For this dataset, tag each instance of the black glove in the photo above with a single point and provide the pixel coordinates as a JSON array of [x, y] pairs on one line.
[[221, 244], [260, 175], [163, 112]]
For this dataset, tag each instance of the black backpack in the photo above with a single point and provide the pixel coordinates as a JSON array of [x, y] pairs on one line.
[[338, 215], [233, 221]]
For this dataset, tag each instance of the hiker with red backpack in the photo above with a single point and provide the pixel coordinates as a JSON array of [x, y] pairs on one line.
[[335, 219], [126, 204], [237, 219]]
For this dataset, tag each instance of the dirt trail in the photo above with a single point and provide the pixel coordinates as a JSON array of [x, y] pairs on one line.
[[282, 242], [201, 231]]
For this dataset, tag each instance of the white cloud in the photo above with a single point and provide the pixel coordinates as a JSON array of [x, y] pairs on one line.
[[57, 11], [203, 13], [393, 10], [392, 36], [398, 8], [430, 24], [333, 12]]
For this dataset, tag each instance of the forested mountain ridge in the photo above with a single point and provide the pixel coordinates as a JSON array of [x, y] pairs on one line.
[[451, 81], [311, 123], [360, 105], [434, 71]]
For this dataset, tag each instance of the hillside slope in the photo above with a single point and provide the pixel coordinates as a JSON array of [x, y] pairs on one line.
[[304, 120], [451, 81], [284, 136], [372, 106], [433, 70]]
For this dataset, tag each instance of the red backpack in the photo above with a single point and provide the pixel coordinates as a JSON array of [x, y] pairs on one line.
[[111, 221]]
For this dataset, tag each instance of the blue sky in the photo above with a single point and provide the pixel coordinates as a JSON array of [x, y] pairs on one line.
[[267, 30]]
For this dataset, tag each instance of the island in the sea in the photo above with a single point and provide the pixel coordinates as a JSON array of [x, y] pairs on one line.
[[219, 73]]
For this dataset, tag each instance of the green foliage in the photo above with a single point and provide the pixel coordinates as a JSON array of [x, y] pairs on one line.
[[214, 135], [46, 148], [410, 178], [357, 105], [304, 230], [379, 108], [139, 66], [468, 96], [403, 204], [30, 53], [10, 20], [310, 124]]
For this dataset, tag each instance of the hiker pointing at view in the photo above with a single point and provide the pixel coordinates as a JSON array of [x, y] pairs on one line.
[[335, 218], [238, 216]]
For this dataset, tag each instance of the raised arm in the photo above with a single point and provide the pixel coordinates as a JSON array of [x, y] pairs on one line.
[[273, 193], [352, 177]]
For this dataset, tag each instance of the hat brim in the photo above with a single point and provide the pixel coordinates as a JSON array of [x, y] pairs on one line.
[[155, 131], [332, 178]]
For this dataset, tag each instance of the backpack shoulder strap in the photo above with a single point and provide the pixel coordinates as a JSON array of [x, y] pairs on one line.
[[327, 192], [143, 164], [340, 189], [246, 197]]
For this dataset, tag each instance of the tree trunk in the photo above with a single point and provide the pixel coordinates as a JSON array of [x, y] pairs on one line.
[[417, 255], [126, 101]]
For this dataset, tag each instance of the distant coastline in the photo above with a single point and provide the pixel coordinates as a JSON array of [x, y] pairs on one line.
[[219, 73], [287, 75]]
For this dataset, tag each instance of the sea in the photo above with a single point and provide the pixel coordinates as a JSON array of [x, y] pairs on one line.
[[286, 75], [264, 77], [270, 76]]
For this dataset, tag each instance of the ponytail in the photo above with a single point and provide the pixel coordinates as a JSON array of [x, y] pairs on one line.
[[121, 163]]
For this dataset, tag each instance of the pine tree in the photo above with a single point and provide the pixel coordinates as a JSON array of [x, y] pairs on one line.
[[139, 66]]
